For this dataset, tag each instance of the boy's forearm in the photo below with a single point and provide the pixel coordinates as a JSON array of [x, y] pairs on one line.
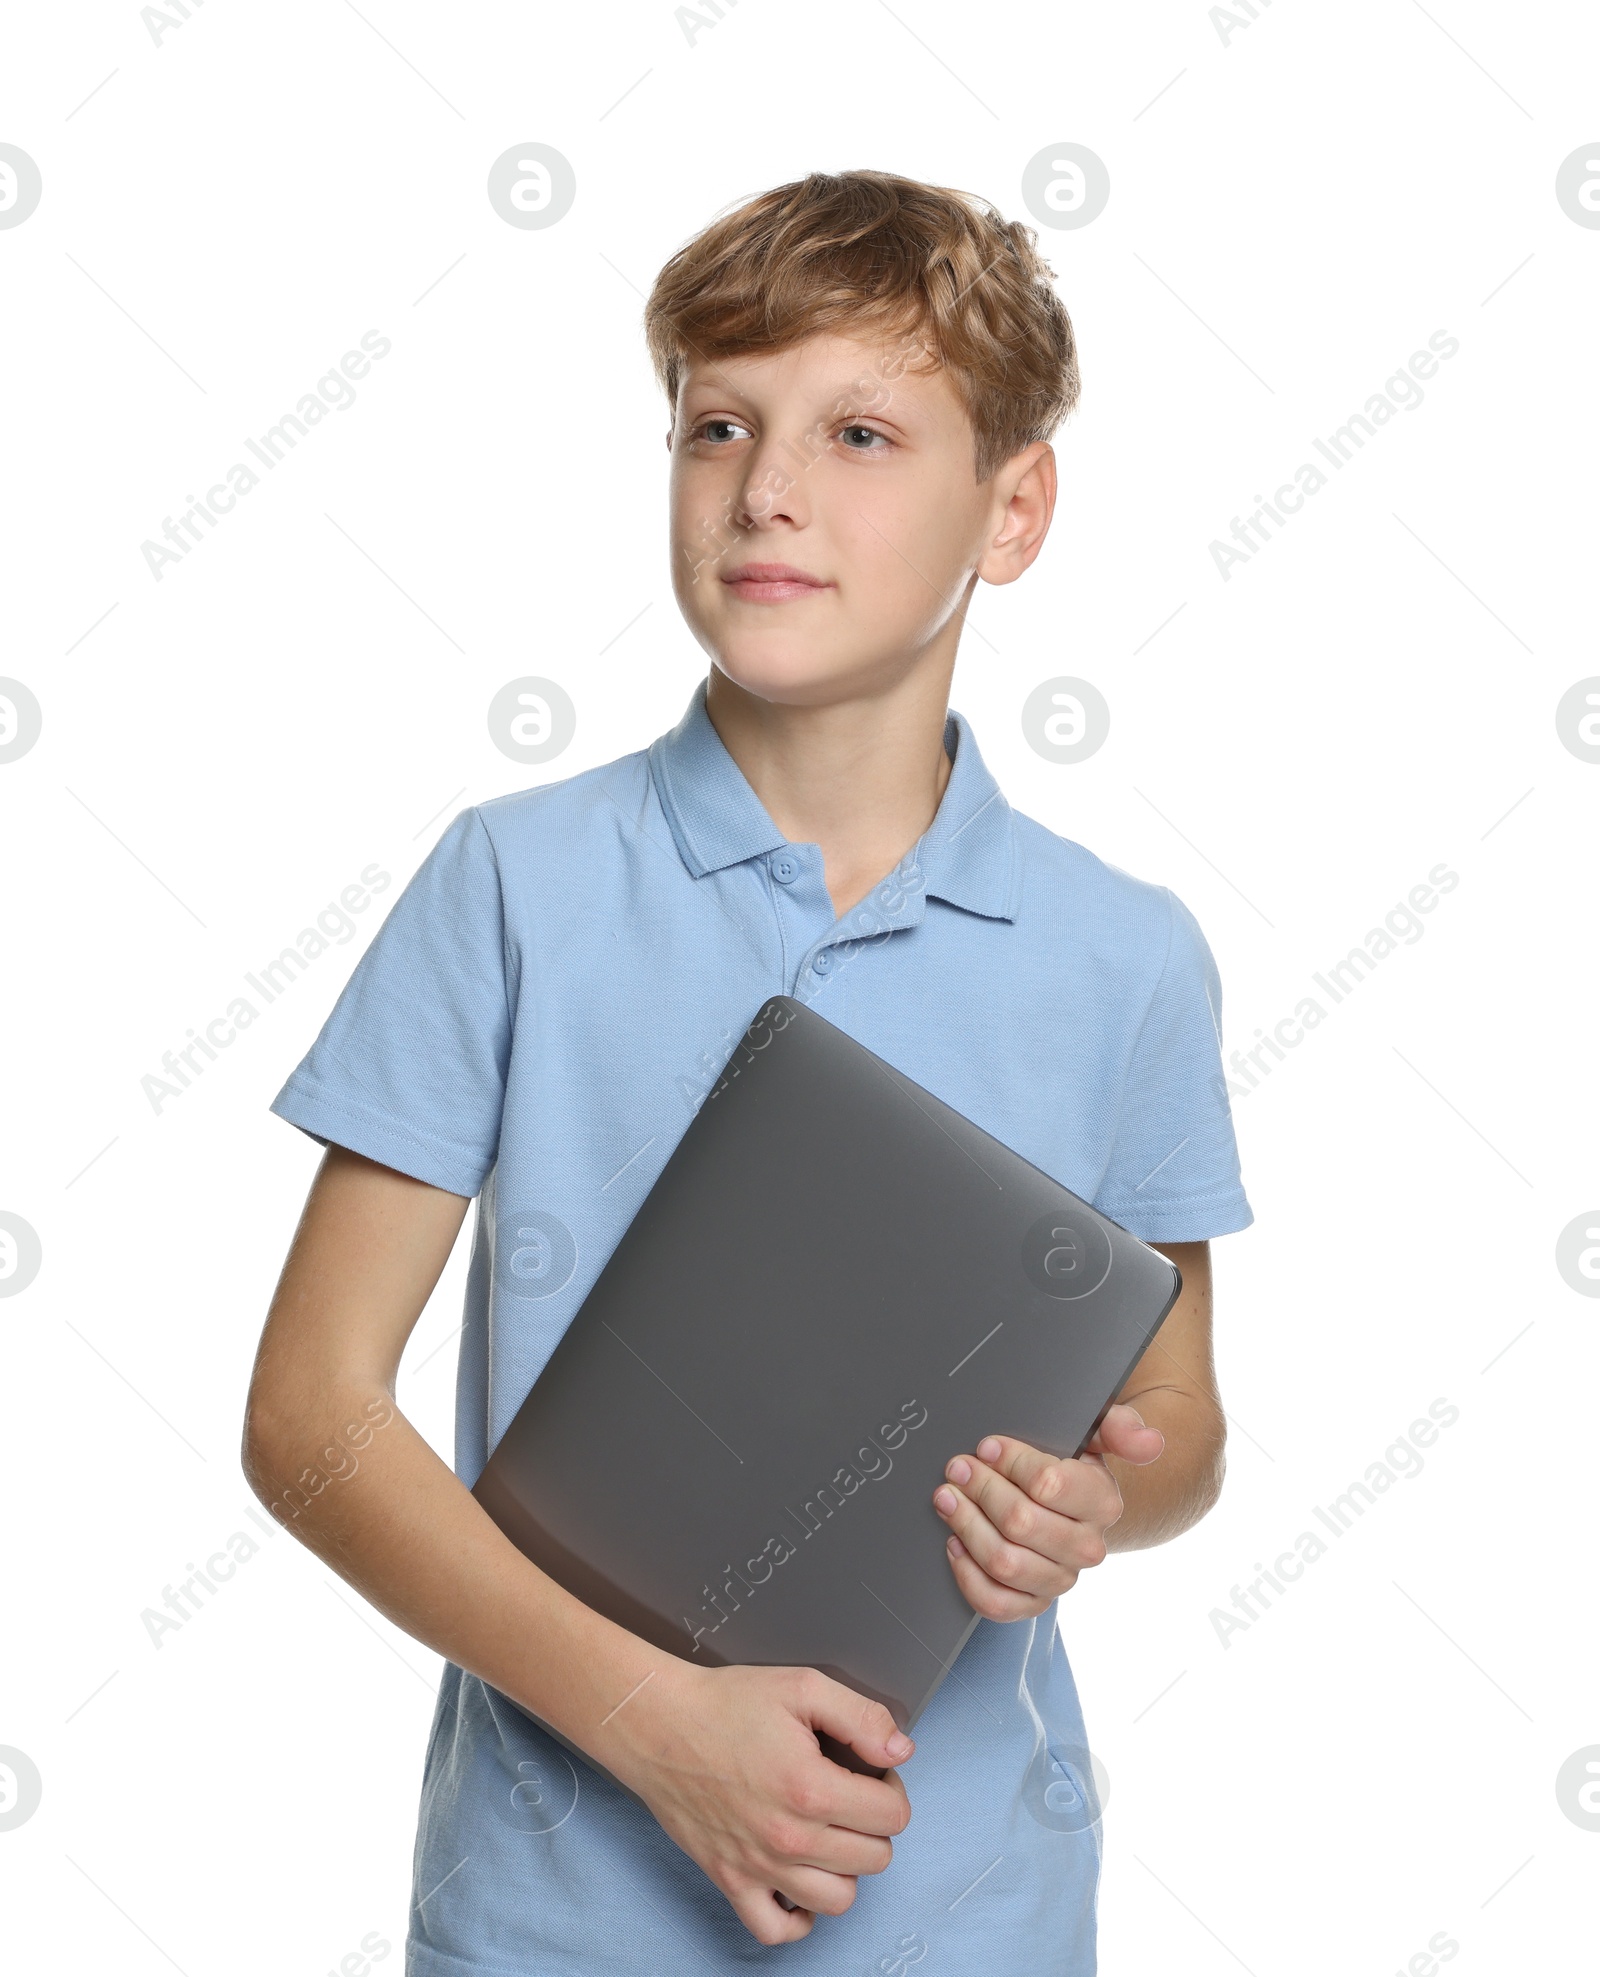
[[404, 1530], [1163, 1498]]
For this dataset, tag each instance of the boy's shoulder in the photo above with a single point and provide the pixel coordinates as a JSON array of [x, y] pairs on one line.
[[555, 818], [1093, 897]]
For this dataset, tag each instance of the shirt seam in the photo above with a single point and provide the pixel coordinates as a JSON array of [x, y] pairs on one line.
[[371, 1113], [1233, 1192], [505, 922]]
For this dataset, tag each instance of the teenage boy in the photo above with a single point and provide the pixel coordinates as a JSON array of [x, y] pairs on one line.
[[863, 374]]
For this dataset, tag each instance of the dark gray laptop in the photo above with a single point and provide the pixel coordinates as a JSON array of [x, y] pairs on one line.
[[836, 1283]]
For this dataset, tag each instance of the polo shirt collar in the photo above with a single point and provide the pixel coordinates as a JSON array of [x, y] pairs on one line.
[[967, 855]]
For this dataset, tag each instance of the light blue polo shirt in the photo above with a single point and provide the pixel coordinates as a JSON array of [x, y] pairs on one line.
[[534, 1024]]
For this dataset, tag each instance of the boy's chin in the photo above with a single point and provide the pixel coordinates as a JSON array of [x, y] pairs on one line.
[[792, 679]]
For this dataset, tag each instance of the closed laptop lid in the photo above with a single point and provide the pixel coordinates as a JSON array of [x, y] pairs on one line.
[[836, 1283]]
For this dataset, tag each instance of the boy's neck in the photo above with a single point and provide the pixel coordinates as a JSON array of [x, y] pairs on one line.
[[861, 778]]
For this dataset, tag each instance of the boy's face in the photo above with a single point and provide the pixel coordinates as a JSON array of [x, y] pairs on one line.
[[826, 527]]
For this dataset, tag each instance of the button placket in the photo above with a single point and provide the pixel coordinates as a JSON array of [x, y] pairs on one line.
[[800, 903], [890, 906], [823, 941]]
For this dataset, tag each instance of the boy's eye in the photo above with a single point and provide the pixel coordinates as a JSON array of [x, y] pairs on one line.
[[714, 429], [856, 438]]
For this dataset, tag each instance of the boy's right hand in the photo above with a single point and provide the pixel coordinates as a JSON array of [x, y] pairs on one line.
[[728, 1761]]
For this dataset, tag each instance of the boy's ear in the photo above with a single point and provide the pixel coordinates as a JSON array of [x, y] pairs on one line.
[[1025, 517]]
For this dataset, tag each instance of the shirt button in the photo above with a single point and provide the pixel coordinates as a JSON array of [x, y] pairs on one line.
[[784, 868], [822, 962]]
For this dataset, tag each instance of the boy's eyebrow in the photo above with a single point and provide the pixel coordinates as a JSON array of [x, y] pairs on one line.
[[716, 381], [723, 387]]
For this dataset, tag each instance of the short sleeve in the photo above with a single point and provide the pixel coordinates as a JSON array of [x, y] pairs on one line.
[[410, 1067], [1173, 1175]]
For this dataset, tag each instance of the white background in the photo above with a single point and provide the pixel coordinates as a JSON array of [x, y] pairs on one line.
[[1294, 209]]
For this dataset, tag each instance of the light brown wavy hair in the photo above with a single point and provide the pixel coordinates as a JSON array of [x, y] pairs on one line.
[[879, 257]]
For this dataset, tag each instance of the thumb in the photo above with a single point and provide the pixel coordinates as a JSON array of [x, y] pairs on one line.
[[857, 1722], [1124, 1432]]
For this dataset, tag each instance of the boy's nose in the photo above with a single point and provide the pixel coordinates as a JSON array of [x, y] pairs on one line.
[[773, 488]]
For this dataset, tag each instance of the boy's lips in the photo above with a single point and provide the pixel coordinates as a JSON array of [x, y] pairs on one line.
[[772, 583]]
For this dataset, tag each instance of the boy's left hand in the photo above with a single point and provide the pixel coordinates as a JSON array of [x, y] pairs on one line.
[[1024, 1524]]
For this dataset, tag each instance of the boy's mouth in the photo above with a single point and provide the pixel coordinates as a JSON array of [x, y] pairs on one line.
[[771, 583]]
